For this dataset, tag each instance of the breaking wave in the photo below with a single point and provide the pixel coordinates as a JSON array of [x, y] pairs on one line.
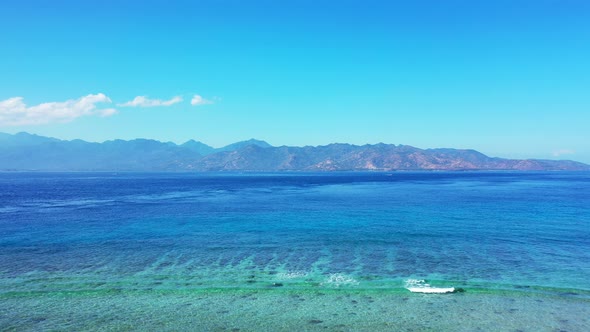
[[339, 279], [291, 275], [421, 286]]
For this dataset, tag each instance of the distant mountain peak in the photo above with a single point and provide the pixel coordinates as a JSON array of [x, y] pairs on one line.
[[24, 138], [199, 147], [243, 144], [193, 142], [253, 141]]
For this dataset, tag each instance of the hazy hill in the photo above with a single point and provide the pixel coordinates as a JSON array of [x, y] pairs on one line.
[[198, 147], [204, 149], [24, 151]]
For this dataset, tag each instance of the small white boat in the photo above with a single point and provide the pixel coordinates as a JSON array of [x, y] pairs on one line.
[[433, 290]]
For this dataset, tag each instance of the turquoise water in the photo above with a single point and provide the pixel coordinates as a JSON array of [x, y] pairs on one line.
[[296, 251]]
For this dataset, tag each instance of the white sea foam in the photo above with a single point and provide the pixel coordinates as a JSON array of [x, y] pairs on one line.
[[291, 275], [339, 279], [420, 286], [66, 203], [9, 209]]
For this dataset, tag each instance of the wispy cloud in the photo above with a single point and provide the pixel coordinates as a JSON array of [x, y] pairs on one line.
[[198, 100], [14, 112], [562, 152], [144, 101]]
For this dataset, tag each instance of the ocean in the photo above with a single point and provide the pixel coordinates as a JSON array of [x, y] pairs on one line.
[[295, 251]]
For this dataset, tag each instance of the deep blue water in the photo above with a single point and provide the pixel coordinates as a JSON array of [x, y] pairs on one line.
[[478, 230]]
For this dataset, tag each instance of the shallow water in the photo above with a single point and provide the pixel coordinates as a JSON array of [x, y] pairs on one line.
[[88, 251], [279, 310]]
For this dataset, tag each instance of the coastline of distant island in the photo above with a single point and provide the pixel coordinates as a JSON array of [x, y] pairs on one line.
[[28, 152]]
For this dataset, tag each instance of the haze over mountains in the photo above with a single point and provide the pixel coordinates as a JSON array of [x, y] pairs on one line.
[[27, 152]]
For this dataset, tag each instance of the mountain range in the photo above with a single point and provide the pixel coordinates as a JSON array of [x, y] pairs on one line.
[[28, 152]]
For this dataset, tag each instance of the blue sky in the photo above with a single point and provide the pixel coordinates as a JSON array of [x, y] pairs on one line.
[[508, 78]]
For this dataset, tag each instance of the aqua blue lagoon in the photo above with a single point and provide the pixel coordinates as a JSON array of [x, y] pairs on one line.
[[294, 251]]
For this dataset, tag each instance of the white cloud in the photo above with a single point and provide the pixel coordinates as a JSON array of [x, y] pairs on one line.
[[144, 101], [198, 100], [14, 112], [562, 152], [107, 112]]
